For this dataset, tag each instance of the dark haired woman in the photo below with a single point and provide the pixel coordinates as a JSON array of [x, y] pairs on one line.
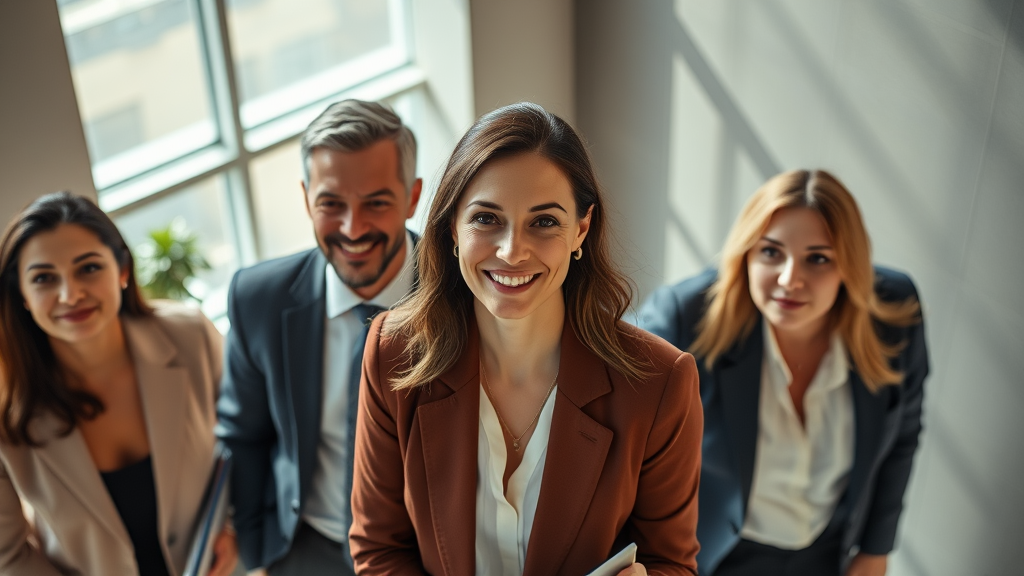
[[510, 423], [812, 371], [106, 405]]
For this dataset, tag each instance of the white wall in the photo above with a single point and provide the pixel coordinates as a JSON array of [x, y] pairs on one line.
[[523, 50], [918, 106], [441, 34], [42, 145]]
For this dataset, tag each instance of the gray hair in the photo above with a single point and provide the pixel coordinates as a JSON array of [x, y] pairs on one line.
[[353, 125]]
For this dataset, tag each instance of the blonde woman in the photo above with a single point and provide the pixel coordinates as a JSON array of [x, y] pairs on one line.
[[510, 423], [811, 371]]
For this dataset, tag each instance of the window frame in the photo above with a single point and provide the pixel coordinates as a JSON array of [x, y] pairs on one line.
[[237, 146]]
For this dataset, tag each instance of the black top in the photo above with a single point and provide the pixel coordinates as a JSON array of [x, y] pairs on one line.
[[134, 494]]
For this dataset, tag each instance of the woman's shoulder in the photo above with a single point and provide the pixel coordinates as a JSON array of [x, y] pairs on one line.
[[184, 323], [390, 343], [893, 285], [673, 311], [688, 294], [635, 340], [182, 316], [662, 355], [386, 347], [668, 390], [906, 328]]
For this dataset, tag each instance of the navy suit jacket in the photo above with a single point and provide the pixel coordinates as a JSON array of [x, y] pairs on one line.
[[887, 424], [271, 394]]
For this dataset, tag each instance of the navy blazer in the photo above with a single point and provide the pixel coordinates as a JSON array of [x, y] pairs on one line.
[[269, 409], [887, 424]]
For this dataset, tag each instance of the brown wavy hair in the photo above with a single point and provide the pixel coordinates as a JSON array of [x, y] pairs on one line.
[[434, 319], [731, 314], [31, 378]]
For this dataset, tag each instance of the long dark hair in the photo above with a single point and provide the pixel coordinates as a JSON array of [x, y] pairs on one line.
[[32, 380], [434, 318]]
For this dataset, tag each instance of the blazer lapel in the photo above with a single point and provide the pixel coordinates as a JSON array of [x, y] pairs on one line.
[[303, 341], [69, 460], [739, 380], [164, 391], [449, 430], [412, 253], [869, 412], [577, 449]]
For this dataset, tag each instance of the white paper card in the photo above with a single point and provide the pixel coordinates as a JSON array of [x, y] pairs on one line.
[[624, 559]]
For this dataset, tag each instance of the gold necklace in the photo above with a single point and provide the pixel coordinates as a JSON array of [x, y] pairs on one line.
[[515, 440]]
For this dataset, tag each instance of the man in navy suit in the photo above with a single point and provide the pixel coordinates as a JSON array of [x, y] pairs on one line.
[[298, 324]]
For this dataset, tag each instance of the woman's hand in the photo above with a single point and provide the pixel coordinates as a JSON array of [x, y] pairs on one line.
[[225, 553], [868, 565], [635, 569]]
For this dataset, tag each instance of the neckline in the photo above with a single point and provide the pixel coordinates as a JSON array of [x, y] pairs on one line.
[[128, 467], [532, 452]]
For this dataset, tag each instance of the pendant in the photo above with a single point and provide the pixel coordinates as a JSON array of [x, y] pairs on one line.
[[515, 444]]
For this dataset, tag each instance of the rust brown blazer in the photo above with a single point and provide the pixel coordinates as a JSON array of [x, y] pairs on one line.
[[623, 463], [77, 529]]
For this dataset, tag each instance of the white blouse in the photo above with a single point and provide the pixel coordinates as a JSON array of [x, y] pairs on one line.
[[504, 521], [800, 472]]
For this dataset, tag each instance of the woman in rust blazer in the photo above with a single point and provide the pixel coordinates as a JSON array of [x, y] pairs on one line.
[[509, 422]]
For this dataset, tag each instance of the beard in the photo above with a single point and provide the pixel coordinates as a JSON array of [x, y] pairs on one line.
[[365, 273]]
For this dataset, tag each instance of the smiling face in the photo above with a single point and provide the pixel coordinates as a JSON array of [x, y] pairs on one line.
[[359, 207], [71, 283], [793, 275], [516, 228]]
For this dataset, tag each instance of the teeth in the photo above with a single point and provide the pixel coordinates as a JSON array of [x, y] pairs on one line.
[[511, 281], [358, 248]]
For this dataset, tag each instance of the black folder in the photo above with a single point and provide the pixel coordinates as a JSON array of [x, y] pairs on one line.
[[212, 515]]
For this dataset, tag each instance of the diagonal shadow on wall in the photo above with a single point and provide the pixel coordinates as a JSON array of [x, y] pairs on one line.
[[856, 127], [739, 133]]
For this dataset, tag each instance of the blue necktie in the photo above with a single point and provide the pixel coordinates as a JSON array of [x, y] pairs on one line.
[[364, 313]]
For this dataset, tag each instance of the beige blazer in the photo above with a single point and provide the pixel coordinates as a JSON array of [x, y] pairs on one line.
[[56, 516]]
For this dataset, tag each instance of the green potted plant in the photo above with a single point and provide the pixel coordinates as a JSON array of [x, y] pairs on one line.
[[168, 260]]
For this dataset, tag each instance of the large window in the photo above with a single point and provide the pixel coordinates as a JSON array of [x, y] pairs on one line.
[[191, 111], [143, 92]]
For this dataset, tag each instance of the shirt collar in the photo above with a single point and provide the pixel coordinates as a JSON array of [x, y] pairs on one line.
[[834, 367], [341, 298]]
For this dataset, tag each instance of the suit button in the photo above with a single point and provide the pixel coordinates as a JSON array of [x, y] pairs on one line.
[[171, 539], [295, 506]]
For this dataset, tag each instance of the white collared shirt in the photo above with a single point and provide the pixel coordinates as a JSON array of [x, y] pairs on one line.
[[800, 473], [504, 521], [324, 508]]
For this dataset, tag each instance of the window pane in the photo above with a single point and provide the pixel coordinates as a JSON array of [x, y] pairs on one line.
[[282, 224], [202, 210], [140, 81], [290, 53], [435, 141]]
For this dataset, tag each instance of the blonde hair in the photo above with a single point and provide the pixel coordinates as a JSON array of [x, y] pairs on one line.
[[435, 317], [731, 314]]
